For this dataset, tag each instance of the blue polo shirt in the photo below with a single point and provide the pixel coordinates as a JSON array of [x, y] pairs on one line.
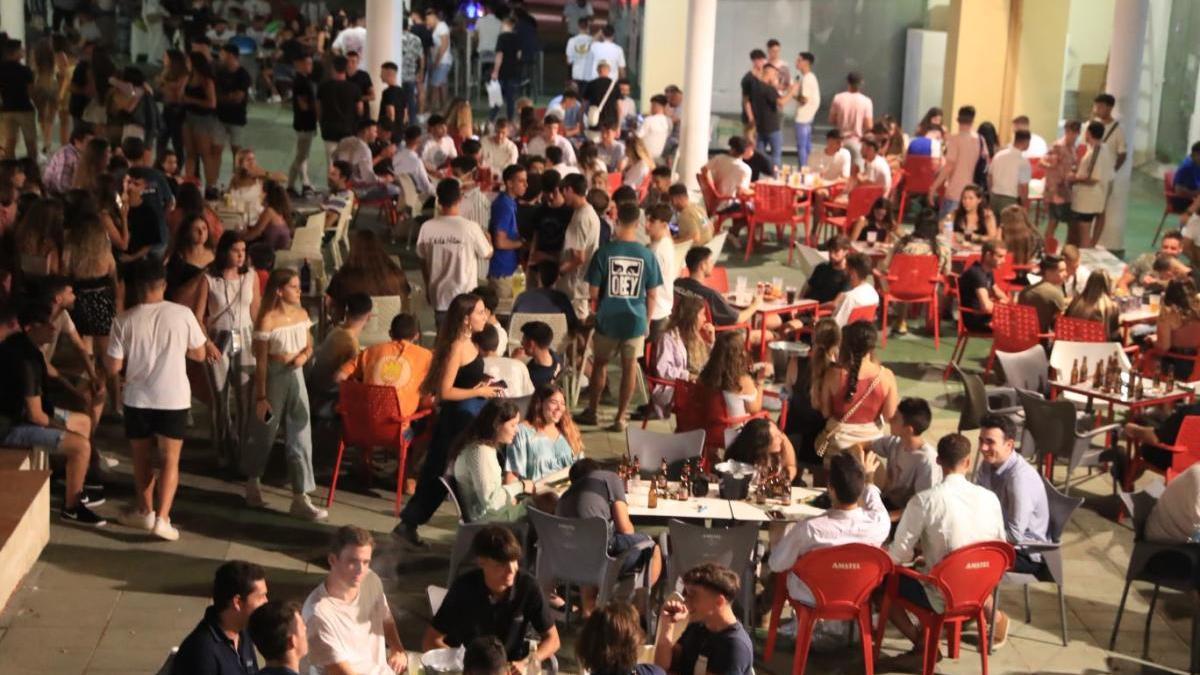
[[1187, 174], [208, 651], [503, 219], [624, 271]]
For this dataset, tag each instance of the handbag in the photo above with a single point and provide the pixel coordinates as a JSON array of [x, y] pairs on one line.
[[826, 436], [593, 113]]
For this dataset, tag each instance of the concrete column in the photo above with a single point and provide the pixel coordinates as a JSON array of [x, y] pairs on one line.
[[12, 19], [1124, 73], [697, 89], [385, 28], [974, 75]]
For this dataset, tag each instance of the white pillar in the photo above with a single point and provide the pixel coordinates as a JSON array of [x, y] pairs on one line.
[[385, 28], [697, 89], [1124, 73], [12, 19]]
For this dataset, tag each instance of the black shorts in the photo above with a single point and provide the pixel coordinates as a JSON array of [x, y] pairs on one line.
[[141, 423]]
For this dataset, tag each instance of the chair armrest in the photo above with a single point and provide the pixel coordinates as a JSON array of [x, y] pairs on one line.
[[1037, 546], [419, 414], [1162, 446], [909, 572], [1006, 411], [1097, 431], [632, 552], [1009, 393], [660, 382]]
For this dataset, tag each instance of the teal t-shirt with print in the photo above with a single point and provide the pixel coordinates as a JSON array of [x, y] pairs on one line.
[[624, 271]]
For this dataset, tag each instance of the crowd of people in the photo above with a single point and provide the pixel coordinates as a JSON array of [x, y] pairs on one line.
[[571, 216]]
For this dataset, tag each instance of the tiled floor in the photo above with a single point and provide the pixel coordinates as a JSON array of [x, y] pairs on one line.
[[111, 601]]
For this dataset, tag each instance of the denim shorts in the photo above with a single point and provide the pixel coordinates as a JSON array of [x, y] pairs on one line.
[[439, 75], [623, 542], [30, 435]]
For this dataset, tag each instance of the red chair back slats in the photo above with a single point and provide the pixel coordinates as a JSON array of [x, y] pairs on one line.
[[614, 182], [1071, 329], [912, 277], [968, 576], [644, 188], [370, 414], [1015, 327], [860, 201], [866, 313], [774, 204], [1168, 184], [718, 280], [841, 578], [919, 173], [709, 192]]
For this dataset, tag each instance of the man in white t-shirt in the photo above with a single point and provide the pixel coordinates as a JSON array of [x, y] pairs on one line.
[[729, 172], [1089, 187], [852, 113], [1037, 145], [450, 248], [833, 161], [152, 342], [962, 154], [349, 623], [604, 49], [662, 246], [581, 241], [1009, 174], [439, 147], [861, 293], [810, 101], [1114, 141], [487, 32], [577, 51], [352, 38], [498, 151], [440, 60], [550, 136], [512, 372], [656, 127], [875, 170]]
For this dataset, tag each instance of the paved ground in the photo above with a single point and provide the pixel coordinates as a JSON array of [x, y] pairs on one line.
[[111, 601]]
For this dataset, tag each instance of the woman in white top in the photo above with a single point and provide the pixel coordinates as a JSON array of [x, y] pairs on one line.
[[730, 372], [640, 163], [233, 302], [482, 492], [282, 345]]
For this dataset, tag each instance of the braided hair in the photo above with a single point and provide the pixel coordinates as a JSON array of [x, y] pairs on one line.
[[858, 340]]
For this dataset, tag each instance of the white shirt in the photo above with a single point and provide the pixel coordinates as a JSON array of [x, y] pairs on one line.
[[1009, 170], [862, 295], [583, 234], [487, 27], [878, 172], [946, 517], [729, 174], [352, 39], [664, 298], [603, 50], [512, 372], [443, 31], [406, 161], [1037, 147], [1176, 517], [537, 146], [565, 169], [348, 632], [654, 132], [498, 155], [1113, 138], [452, 246], [357, 153], [475, 207], [1092, 198], [810, 89], [869, 525], [437, 151], [577, 55], [153, 340], [830, 167], [1074, 284]]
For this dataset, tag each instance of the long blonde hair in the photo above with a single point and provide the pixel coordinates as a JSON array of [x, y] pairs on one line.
[[459, 119], [827, 336], [685, 318], [1095, 301], [87, 248], [1018, 234]]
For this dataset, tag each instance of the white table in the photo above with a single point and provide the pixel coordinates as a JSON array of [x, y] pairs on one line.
[[696, 508], [797, 510]]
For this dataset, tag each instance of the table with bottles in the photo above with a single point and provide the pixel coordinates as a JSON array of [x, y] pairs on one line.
[[1110, 383], [776, 300]]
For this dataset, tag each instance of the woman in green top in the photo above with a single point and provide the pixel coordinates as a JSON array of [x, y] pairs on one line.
[[482, 493]]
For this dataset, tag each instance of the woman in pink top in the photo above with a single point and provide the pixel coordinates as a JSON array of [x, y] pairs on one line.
[[858, 392]]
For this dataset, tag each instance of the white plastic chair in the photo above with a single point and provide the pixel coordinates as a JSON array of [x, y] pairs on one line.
[[716, 244], [681, 251], [383, 309], [1064, 353]]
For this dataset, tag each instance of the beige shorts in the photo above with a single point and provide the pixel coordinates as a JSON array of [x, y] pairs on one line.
[[603, 347]]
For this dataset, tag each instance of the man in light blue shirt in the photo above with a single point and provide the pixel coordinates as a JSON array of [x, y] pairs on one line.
[[1016, 483]]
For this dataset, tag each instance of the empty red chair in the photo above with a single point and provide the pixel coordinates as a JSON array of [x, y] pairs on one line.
[[858, 204], [913, 279], [386, 204], [1015, 328], [1071, 329], [966, 579], [864, 313], [775, 204], [371, 418], [841, 579]]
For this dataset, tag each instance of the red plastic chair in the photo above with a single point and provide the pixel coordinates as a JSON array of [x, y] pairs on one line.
[[712, 203], [1015, 328], [1169, 206], [966, 579], [386, 204], [962, 331], [776, 204], [1006, 276], [371, 418], [1184, 453], [614, 182], [865, 313], [858, 205], [697, 406], [1071, 329], [841, 579], [919, 173], [1151, 359], [913, 279], [718, 280], [644, 188]]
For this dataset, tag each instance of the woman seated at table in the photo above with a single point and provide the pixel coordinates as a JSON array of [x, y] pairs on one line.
[[973, 219], [761, 442], [546, 441], [189, 201], [1095, 303], [682, 349], [1178, 328], [248, 183], [923, 240], [368, 269], [730, 372], [191, 253], [880, 220], [858, 391], [272, 226], [482, 492], [1023, 242]]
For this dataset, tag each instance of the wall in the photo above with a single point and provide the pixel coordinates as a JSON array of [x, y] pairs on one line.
[[1089, 36], [1041, 60], [663, 25], [975, 58]]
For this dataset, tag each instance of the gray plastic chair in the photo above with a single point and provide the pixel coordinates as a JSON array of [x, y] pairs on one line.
[[1062, 508], [1056, 427], [979, 401], [651, 447], [574, 551], [736, 547], [1173, 566], [1028, 370]]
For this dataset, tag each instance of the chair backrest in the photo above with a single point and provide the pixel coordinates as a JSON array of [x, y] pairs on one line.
[[976, 404], [1061, 508], [436, 595], [718, 280], [968, 576], [652, 447], [1006, 276], [370, 414], [694, 545], [681, 251], [860, 201], [573, 550], [843, 577], [717, 243], [865, 313], [774, 203], [1014, 326], [912, 276], [919, 173], [643, 188], [315, 221], [614, 182], [1051, 423], [1079, 330], [451, 485], [1139, 505], [1169, 183], [709, 192], [557, 323], [1028, 369], [1065, 352], [383, 309], [409, 194]]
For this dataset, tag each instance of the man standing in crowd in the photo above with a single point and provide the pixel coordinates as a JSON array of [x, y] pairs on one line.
[[758, 59], [412, 71], [852, 113], [604, 50], [809, 99], [575, 13], [964, 150], [59, 176], [502, 226], [1037, 145], [450, 248], [220, 644], [440, 61], [233, 96], [1113, 139], [16, 106], [360, 77], [339, 104], [1089, 188], [577, 51], [304, 123], [580, 243], [1009, 174]]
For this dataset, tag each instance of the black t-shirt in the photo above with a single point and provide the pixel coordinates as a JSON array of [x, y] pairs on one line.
[[826, 282], [747, 89], [22, 374], [144, 228], [594, 93], [79, 78], [422, 31], [541, 375], [15, 78], [363, 79], [393, 95], [292, 50], [550, 226], [722, 313], [196, 21], [509, 45], [227, 82], [469, 612], [975, 278], [304, 90], [764, 101], [339, 108], [760, 165], [728, 651]]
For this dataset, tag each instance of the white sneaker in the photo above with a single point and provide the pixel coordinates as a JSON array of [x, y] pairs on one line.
[[164, 530], [302, 507], [136, 519], [108, 461], [254, 498]]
